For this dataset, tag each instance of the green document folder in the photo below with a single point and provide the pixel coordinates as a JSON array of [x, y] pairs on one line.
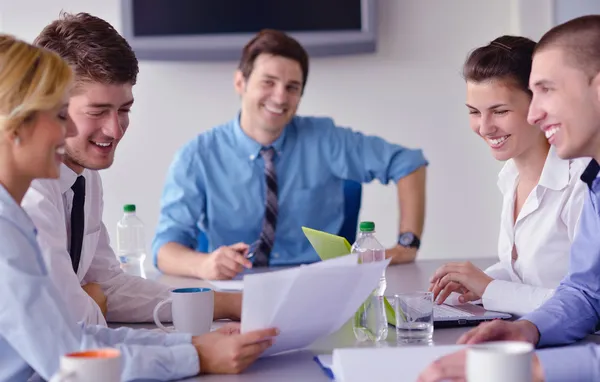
[[326, 245], [329, 246]]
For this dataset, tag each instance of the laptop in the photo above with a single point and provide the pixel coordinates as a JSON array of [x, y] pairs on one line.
[[329, 246]]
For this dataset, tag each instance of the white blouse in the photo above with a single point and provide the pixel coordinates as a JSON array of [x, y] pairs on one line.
[[534, 250]]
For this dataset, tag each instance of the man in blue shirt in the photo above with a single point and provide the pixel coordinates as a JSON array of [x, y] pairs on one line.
[[565, 81], [253, 182]]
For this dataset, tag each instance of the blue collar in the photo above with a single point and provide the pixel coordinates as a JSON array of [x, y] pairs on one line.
[[249, 147]]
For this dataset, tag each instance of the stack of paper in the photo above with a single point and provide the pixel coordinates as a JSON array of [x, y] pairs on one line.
[[382, 364], [307, 302]]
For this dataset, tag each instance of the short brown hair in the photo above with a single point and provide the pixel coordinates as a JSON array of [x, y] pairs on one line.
[[505, 58], [92, 47], [277, 43], [580, 38]]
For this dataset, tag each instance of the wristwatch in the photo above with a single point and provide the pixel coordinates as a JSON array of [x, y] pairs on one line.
[[409, 240]]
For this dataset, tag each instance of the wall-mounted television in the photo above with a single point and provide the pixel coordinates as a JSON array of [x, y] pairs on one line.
[[217, 30]]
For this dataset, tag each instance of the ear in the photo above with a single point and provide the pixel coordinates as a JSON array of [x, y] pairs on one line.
[[239, 82]]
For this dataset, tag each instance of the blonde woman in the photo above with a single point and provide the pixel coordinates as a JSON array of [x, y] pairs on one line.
[[35, 324]]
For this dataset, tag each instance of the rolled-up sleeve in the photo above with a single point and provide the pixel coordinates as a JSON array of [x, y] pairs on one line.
[[363, 158], [183, 201]]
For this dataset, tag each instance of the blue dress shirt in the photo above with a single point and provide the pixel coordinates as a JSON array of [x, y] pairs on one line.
[[216, 183], [36, 328], [574, 310]]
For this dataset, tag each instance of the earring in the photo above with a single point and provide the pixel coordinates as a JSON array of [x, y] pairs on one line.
[[17, 140]]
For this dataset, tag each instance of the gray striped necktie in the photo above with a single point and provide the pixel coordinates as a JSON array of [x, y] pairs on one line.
[[267, 236]]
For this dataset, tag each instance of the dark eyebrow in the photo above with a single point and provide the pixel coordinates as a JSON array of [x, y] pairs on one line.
[[109, 105], [293, 82], [495, 106]]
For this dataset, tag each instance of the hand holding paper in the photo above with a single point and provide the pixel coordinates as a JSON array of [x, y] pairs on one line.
[[307, 302]]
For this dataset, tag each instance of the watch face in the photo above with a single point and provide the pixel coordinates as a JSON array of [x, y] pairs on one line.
[[406, 239]]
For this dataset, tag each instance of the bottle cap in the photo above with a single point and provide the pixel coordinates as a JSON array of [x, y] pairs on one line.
[[129, 208], [367, 226]]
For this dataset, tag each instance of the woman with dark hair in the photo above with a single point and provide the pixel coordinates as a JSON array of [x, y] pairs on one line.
[[542, 194]]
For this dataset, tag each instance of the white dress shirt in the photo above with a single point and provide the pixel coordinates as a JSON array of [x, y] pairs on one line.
[[534, 250], [130, 298], [36, 327]]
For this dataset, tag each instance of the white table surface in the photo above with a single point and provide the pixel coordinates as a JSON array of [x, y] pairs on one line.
[[299, 365]]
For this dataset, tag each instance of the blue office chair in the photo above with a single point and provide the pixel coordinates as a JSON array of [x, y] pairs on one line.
[[352, 202]]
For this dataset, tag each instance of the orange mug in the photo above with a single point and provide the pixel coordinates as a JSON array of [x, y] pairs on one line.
[[94, 365]]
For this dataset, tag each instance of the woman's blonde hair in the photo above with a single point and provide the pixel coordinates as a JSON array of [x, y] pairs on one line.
[[32, 79]]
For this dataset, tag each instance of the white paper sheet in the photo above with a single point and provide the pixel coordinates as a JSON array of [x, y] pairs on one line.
[[403, 363], [307, 302]]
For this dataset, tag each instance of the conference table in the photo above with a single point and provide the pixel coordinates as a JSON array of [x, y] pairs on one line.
[[300, 365]]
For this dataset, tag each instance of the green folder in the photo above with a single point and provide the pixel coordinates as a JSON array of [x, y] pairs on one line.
[[329, 246], [326, 245]]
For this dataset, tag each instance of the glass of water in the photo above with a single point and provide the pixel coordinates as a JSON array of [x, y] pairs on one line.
[[414, 317]]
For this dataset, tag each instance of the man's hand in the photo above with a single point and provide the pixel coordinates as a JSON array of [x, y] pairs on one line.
[[225, 262], [401, 255], [95, 292], [462, 277], [226, 351], [453, 368], [499, 330]]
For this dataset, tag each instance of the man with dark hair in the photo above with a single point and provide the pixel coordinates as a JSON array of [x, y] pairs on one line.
[[565, 81], [68, 211], [263, 175]]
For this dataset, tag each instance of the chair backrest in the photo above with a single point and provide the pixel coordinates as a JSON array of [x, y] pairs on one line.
[[352, 203]]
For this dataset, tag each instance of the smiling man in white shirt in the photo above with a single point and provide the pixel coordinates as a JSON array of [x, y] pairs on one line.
[[68, 212]]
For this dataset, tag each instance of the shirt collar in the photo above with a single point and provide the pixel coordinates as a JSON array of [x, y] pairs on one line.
[[250, 148], [590, 173], [67, 178], [14, 212], [555, 174]]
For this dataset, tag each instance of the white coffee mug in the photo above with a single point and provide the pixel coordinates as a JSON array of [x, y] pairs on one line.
[[192, 310], [97, 365], [500, 361]]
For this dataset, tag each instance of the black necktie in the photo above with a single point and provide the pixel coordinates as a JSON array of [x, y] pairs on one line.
[[77, 221], [267, 236]]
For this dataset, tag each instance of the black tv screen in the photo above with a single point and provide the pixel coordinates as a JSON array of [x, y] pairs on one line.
[[210, 30], [203, 17]]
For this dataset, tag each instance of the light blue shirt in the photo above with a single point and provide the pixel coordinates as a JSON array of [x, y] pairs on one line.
[[574, 310], [36, 327], [216, 183]]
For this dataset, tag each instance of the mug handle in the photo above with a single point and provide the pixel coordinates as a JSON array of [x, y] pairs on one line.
[[63, 376], [155, 314]]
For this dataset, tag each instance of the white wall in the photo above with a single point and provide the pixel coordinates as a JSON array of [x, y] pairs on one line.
[[410, 92]]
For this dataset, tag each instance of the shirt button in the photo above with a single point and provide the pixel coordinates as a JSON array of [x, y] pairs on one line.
[[276, 255], [252, 157]]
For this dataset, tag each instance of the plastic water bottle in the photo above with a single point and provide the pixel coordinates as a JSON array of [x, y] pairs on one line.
[[370, 321], [131, 247]]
